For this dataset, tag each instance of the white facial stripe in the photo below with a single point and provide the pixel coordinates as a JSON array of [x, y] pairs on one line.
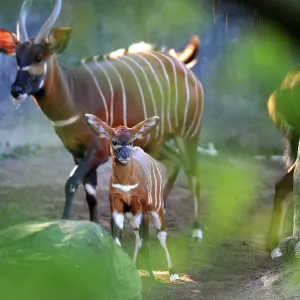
[[124, 188], [45, 72], [26, 68], [118, 242], [115, 147], [41, 84], [45, 68], [33, 67]]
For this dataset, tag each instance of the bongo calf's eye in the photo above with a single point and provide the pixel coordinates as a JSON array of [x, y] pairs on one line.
[[114, 143], [39, 57]]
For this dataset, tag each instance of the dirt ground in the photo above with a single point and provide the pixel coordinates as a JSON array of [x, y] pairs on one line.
[[232, 266]]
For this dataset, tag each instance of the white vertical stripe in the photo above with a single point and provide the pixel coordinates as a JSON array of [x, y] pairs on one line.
[[123, 90], [159, 186], [158, 84], [140, 89], [197, 104], [111, 91], [171, 60], [187, 97], [152, 172], [200, 116], [149, 87], [153, 54], [146, 172], [99, 89]]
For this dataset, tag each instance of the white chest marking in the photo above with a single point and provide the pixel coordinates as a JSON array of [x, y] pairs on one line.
[[63, 123], [124, 188]]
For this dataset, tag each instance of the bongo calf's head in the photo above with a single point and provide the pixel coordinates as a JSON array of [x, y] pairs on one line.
[[121, 138]]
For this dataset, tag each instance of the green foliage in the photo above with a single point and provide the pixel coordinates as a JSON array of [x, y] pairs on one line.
[[232, 185]]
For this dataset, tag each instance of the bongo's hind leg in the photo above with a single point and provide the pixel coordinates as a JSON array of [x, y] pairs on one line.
[[282, 199], [159, 222], [189, 158]]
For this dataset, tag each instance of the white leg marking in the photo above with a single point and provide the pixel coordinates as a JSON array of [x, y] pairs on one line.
[[90, 189], [174, 277], [196, 208], [138, 245], [119, 219], [118, 242], [162, 237], [276, 253], [156, 220], [197, 233], [73, 171], [135, 221]]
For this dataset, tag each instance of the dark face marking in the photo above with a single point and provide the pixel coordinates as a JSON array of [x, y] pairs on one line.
[[122, 144], [32, 68]]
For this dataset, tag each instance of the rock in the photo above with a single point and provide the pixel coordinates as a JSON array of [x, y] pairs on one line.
[[64, 260]]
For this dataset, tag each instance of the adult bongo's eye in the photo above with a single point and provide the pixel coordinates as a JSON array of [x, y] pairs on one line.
[[130, 144], [114, 143]]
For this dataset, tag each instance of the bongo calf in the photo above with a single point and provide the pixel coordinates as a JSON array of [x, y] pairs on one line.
[[135, 186]]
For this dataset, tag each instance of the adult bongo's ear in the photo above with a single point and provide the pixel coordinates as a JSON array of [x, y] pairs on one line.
[[8, 42], [59, 38]]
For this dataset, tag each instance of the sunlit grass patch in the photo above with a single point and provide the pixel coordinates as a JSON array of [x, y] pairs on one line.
[[164, 277]]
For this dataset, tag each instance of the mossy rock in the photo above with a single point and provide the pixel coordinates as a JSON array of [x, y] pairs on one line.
[[64, 260]]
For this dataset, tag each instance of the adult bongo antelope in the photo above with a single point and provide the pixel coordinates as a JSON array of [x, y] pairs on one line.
[[121, 88], [135, 188], [284, 110]]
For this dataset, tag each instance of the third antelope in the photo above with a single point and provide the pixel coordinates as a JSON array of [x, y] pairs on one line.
[[135, 188], [284, 110], [121, 88]]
